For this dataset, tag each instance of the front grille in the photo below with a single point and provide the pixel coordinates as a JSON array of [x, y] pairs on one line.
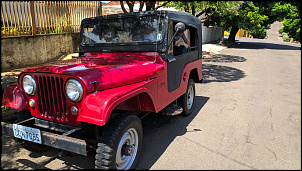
[[51, 100]]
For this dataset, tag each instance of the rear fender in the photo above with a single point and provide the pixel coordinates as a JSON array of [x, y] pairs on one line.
[[97, 107], [13, 97]]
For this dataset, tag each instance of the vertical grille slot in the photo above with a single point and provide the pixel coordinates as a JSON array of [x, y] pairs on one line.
[[51, 101]]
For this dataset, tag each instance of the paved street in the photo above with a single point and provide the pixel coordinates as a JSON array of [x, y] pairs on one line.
[[247, 115]]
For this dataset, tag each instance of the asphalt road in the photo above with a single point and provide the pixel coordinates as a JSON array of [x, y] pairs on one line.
[[247, 115]]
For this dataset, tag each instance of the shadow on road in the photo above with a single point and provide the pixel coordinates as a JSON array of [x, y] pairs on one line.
[[160, 131], [10, 148], [266, 45], [219, 73], [224, 58]]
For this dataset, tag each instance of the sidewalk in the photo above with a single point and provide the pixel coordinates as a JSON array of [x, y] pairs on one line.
[[211, 49]]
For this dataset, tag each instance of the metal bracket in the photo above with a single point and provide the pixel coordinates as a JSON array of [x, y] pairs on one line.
[[171, 59]]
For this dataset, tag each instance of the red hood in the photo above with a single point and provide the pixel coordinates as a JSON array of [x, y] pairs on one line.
[[108, 69]]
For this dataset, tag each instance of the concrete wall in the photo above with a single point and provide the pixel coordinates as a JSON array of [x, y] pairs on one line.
[[210, 34], [30, 50]]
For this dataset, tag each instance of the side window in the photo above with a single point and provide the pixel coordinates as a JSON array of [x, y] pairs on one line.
[[179, 46], [87, 33], [91, 34], [193, 39]]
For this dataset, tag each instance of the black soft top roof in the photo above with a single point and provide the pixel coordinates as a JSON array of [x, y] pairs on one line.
[[184, 17]]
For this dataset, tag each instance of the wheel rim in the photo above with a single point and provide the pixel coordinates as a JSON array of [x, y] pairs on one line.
[[190, 97], [127, 150]]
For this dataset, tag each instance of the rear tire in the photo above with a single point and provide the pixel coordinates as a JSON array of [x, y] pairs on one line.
[[186, 101], [120, 144]]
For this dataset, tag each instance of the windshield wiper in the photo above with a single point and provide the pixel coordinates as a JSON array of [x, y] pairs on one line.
[[136, 24]]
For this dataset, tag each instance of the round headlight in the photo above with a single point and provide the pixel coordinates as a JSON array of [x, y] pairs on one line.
[[74, 90], [29, 85]]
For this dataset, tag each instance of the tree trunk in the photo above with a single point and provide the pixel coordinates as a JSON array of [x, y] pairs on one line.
[[233, 33], [141, 5], [150, 5], [130, 5], [123, 7], [186, 8], [193, 10]]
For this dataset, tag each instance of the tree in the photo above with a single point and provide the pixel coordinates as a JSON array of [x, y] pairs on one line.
[[276, 11], [150, 5], [256, 17], [292, 23], [209, 8], [232, 15], [217, 13], [222, 12], [247, 17]]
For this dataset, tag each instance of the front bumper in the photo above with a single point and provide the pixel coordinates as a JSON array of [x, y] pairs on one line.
[[59, 141]]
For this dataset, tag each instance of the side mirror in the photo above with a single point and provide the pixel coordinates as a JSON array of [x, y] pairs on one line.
[[179, 28]]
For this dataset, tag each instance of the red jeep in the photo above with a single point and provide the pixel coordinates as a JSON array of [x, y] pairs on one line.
[[97, 100]]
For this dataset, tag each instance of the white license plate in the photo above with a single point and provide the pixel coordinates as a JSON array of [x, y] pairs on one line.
[[27, 133]]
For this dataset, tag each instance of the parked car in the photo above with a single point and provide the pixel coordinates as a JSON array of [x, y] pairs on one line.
[[96, 101]]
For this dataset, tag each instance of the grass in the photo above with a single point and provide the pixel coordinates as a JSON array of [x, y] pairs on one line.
[[5, 108]]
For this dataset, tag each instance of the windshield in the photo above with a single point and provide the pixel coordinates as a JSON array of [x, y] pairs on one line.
[[124, 30]]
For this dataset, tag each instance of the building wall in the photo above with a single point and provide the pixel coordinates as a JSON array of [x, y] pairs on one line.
[[30, 50], [211, 34]]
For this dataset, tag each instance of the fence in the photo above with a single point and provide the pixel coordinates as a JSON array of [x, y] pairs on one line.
[[20, 18]]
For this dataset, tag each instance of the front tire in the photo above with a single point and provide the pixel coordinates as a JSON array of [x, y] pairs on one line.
[[120, 144], [186, 101]]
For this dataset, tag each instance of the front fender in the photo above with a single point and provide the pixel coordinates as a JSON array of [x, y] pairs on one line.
[[13, 97], [97, 107]]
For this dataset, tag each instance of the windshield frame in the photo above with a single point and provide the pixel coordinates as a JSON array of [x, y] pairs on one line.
[[163, 21]]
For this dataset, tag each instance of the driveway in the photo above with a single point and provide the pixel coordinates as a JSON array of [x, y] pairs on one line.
[[247, 115]]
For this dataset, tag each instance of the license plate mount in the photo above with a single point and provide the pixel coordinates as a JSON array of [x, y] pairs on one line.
[[27, 133]]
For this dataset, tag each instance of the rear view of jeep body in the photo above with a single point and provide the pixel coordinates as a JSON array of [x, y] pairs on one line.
[[127, 67]]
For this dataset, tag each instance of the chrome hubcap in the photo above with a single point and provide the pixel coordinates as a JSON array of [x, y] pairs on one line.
[[190, 97], [127, 150]]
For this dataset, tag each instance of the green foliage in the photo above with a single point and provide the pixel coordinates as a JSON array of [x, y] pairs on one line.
[[250, 19], [5, 108], [254, 16], [292, 28], [223, 8], [276, 11], [292, 23], [225, 11], [285, 37], [259, 33], [183, 5]]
